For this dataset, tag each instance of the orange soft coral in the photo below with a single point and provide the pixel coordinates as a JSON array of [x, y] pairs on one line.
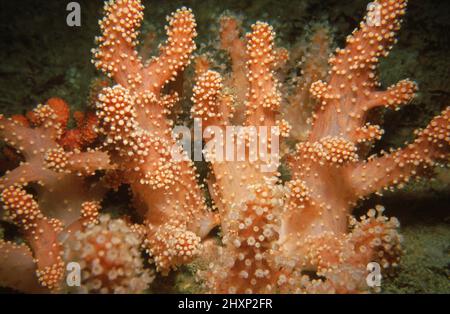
[[133, 117], [58, 177], [59, 173], [39, 231], [106, 250], [294, 236], [275, 233]]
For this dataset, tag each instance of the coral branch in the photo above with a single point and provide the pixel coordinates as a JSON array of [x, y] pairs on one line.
[[396, 168], [352, 87], [18, 259], [40, 232], [176, 53], [133, 116], [76, 162], [264, 98], [246, 263], [117, 56], [231, 42], [395, 96], [210, 103], [312, 56], [59, 174]]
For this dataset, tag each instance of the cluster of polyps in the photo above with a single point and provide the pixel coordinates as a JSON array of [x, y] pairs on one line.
[[66, 199], [310, 222], [109, 256], [275, 234], [133, 117]]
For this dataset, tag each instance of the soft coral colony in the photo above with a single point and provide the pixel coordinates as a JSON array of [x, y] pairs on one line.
[[297, 235]]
